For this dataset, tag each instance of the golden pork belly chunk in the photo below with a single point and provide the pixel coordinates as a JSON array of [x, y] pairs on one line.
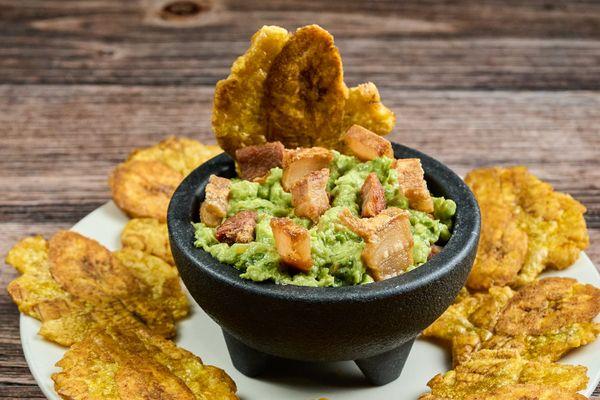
[[309, 195], [372, 195], [293, 243], [412, 181], [238, 228], [389, 241], [302, 161], [366, 145], [255, 162], [214, 206]]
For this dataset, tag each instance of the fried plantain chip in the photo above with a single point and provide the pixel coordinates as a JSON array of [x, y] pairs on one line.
[[148, 235], [364, 108], [73, 284], [493, 372], [549, 346], [502, 248], [144, 188], [143, 185], [64, 319], [29, 255], [547, 305], [290, 88], [517, 392], [146, 285], [462, 294], [82, 318], [35, 292], [238, 117], [133, 364], [179, 153], [160, 301], [542, 321], [87, 270], [39, 296], [516, 204], [557, 235], [305, 91], [469, 322]]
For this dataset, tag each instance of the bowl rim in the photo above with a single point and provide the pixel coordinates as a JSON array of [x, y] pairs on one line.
[[464, 239]]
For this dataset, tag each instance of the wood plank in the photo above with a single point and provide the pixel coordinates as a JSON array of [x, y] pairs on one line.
[[236, 18], [400, 64], [398, 45]]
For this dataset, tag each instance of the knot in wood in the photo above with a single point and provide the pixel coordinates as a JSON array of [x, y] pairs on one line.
[[183, 9]]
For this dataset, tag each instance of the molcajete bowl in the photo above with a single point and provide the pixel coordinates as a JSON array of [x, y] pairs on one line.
[[373, 324]]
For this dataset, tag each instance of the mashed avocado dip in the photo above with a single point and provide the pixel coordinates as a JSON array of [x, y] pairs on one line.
[[335, 249]]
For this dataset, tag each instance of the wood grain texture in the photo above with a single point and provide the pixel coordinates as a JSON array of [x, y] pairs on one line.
[[491, 45], [473, 83]]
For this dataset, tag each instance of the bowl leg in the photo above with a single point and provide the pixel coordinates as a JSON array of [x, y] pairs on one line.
[[385, 368], [245, 359]]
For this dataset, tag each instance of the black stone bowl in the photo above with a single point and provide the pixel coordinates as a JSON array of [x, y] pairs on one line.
[[373, 324]]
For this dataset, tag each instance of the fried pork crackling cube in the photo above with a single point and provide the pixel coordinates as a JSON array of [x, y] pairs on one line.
[[302, 161], [373, 196], [255, 162], [292, 242], [366, 145], [412, 181], [214, 207], [238, 228], [389, 241], [309, 195]]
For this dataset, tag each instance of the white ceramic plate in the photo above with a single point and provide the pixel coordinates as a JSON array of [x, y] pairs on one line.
[[341, 380]]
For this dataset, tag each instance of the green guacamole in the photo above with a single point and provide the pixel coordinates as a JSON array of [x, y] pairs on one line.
[[335, 249]]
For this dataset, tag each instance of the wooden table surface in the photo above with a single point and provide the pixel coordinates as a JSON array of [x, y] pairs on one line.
[[473, 83]]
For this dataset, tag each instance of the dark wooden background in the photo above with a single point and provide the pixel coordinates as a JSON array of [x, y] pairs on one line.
[[473, 83]]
